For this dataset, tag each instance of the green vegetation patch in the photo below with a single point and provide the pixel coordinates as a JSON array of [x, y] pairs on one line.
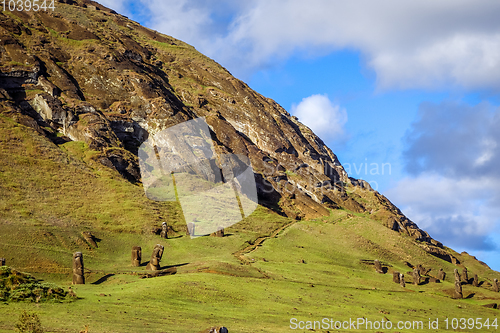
[[21, 287]]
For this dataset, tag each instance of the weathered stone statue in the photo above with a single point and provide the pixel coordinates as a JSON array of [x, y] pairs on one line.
[[416, 277], [78, 274], [154, 263], [465, 275], [378, 266], [495, 285], [395, 277], [136, 256], [458, 290], [441, 274], [421, 270], [218, 233], [2, 261], [457, 276], [90, 238], [191, 227], [402, 280], [475, 283], [163, 233]]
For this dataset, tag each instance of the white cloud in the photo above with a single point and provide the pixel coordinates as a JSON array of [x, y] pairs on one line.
[[326, 119], [462, 213], [409, 44], [453, 190]]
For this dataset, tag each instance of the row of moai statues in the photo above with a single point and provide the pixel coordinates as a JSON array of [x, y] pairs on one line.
[[154, 262]]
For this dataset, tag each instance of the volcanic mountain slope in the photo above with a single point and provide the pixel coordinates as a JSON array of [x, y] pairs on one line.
[[82, 87], [84, 73]]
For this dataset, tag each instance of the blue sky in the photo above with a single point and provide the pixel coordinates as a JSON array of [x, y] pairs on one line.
[[414, 85]]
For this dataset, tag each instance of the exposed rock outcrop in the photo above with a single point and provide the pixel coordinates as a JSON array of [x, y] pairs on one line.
[[97, 77]]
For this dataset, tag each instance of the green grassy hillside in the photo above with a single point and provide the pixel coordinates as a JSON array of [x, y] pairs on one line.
[[266, 271]]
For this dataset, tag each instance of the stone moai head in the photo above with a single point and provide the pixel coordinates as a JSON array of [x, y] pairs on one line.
[[465, 275], [220, 233], [136, 256], [164, 230], [495, 285], [458, 290], [78, 269], [402, 280], [457, 276], [156, 255], [395, 277], [2, 261], [378, 266], [475, 282], [416, 276]]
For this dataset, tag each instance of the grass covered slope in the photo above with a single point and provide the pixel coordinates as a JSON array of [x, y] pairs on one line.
[[267, 270], [310, 271]]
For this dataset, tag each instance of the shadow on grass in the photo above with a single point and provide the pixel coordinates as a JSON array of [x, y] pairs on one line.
[[170, 266], [103, 279]]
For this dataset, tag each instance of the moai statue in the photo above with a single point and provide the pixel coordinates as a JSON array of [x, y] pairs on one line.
[[441, 274], [218, 233], [395, 277], [475, 283], [2, 261], [465, 276], [420, 269], [90, 238], [163, 233], [402, 280], [458, 290], [495, 285], [136, 256], [378, 266], [457, 276], [416, 277], [191, 227], [78, 274], [154, 263]]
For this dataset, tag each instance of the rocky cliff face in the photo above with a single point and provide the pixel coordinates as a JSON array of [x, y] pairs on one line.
[[86, 73]]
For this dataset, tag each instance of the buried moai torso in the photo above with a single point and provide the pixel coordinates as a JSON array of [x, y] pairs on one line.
[[136, 256], [475, 282], [395, 277], [416, 276], [78, 274], [378, 266], [465, 275], [218, 233], [458, 290], [164, 230], [402, 280], [441, 274], [154, 263]]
